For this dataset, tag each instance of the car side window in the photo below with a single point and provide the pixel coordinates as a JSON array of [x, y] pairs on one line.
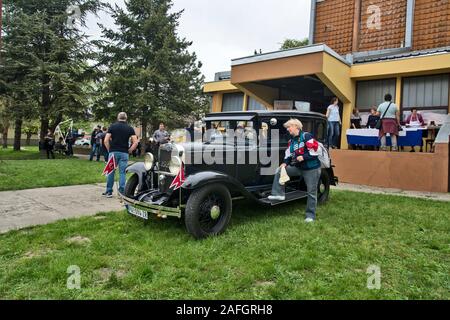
[[276, 124], [320, 132]]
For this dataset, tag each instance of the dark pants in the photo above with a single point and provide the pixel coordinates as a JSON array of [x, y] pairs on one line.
[[50, 152], [95, 151], [105, 153], [69, 149]]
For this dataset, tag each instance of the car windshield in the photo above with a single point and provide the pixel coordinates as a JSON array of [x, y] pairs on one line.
[[229, 132]]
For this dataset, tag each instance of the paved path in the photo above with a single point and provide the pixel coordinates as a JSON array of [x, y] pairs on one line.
[[397, 192], [25, 208]]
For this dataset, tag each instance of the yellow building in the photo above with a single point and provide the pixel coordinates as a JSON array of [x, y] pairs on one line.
[[401, 47], [314, 74]]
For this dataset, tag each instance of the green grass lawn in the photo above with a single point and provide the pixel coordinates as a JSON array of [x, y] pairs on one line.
[[28, 174], [265, 254], [26, 153]]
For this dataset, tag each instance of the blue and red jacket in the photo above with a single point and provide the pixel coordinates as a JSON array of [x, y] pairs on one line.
[[301, 145]]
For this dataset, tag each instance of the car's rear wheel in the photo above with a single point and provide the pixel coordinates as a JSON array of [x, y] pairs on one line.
[[323, 188], [208, 211], [131, 186]]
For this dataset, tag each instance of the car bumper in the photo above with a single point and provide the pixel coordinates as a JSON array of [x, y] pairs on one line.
[[158, 210]]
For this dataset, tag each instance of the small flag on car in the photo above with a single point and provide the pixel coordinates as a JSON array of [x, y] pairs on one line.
[[179, 179], [110, 166]]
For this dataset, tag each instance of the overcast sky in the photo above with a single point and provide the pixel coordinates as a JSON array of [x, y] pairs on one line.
[[222, 30]]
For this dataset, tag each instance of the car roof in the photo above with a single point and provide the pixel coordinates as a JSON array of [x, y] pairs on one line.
[[263, 113]]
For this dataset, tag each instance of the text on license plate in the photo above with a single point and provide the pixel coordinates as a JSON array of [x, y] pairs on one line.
[[137, 212]]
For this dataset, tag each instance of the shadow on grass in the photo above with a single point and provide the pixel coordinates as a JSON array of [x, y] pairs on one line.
[[243, 213]]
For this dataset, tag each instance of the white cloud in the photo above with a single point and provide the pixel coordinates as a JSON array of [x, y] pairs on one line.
[[223, 30]]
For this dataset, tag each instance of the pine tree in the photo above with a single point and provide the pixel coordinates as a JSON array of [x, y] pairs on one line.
[[150, 74], [54, 55]]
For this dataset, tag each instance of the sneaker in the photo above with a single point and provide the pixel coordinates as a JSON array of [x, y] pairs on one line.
[[394, 149], [309, 220], [107, 194], [383, 148], [279, 198]]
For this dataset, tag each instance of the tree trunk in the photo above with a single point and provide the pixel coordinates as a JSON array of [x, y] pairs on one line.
[[17, 133], [5, 137], [45, 108], [144, 141], [44, 129], [29, 134]]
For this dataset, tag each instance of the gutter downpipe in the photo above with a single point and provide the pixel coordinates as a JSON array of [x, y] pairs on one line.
[[312, 22]]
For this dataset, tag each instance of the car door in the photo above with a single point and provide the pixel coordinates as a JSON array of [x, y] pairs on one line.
[[273, 141], [246, 145]]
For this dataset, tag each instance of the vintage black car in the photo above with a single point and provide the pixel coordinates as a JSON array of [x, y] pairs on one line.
[[204, 199]]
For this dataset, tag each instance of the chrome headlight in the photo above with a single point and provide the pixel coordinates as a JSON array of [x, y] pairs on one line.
[[175, 165], [148, 161]]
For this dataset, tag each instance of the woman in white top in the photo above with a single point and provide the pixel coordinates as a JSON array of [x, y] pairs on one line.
[[334, 123]]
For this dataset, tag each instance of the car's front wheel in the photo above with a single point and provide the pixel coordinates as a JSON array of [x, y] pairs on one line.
[[131, 186], [208, 211]]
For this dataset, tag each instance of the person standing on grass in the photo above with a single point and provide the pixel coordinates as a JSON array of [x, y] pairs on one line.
[[334, 123], [161, 136], [94, 146], [49, 143], [302, 161], [103, 150], [116, 142], [390, 121]]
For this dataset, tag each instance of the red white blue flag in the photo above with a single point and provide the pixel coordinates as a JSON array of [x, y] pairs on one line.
[[110, 166], [179, 179]]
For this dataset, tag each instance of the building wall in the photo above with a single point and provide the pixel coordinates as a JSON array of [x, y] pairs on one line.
[[431, 24], [390, 33], [393, 169], [334, 24]]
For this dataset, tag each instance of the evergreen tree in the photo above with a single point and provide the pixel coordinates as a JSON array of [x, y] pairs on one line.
[[52, 55], [150, 74], [294, 43]]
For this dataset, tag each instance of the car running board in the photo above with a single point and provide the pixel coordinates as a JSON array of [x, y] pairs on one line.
[[290, 196]]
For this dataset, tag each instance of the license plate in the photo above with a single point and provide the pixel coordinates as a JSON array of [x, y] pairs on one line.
[[137, 212]]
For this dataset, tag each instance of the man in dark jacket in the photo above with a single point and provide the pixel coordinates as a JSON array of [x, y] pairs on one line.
[[95, 147], [299, 162], [117, 143]]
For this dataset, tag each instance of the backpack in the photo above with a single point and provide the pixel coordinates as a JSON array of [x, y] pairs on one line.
[[323, 155]]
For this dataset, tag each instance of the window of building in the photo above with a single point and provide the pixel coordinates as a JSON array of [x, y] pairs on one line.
[[371, 94], [429, 94], [232, 102], [253, 104]]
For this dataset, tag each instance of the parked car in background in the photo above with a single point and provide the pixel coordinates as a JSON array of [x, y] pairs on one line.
[[83, 142]]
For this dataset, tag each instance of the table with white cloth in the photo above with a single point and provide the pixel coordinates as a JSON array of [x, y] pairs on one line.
[[408, 137]]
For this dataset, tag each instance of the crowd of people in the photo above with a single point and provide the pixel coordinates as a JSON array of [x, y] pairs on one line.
[[385, 118]]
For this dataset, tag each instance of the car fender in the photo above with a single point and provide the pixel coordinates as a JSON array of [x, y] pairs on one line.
[[200, 179], [140, 170]]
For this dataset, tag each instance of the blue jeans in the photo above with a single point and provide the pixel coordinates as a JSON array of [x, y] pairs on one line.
[[95, 151], [334, 130], [121, 159], [311, 178]]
